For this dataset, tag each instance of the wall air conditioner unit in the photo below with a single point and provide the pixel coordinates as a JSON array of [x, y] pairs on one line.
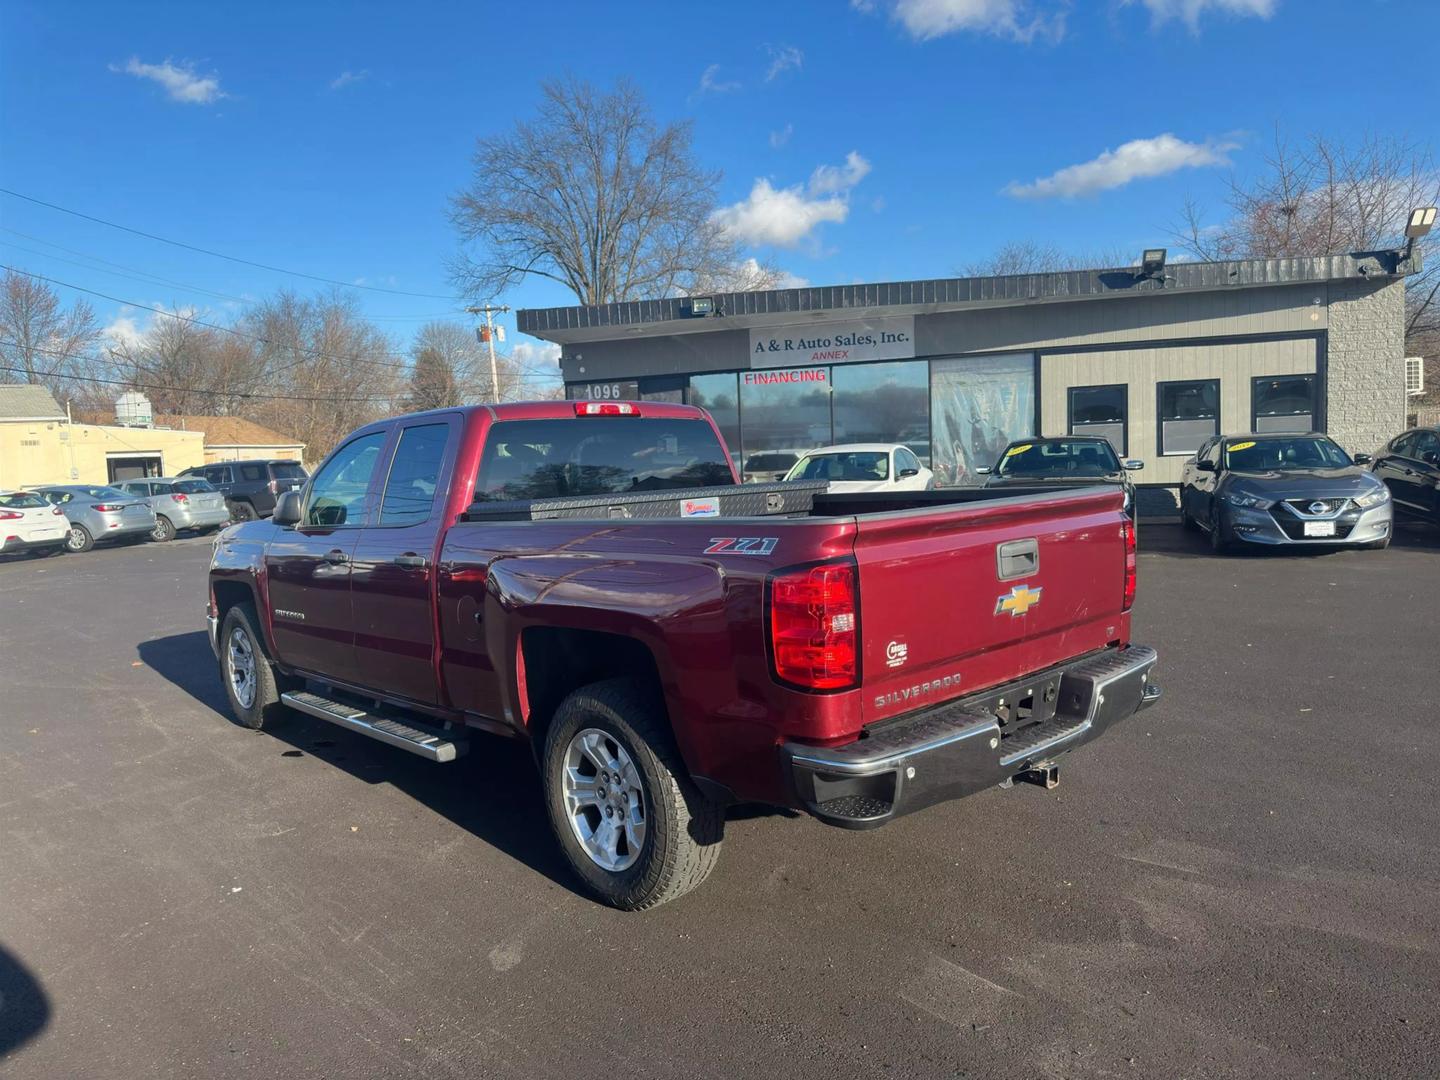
[[1414, 375]]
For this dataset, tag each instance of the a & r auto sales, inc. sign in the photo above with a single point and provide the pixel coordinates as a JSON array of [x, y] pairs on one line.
[[834, 343]]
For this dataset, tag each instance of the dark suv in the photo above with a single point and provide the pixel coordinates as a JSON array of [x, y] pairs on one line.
[[251, 487]]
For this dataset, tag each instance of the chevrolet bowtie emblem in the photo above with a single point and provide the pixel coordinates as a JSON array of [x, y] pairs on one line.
[[1018, 600]]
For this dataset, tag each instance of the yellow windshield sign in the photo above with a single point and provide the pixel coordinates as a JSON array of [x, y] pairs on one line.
[[1018, 449], [1241, 446]]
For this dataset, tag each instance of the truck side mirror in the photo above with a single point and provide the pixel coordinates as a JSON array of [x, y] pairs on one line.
[[1204, 465], [983, 470], [287, 510], [1134, 464], [1363, 459]]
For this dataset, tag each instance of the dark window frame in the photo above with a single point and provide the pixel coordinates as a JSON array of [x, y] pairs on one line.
[[1124, 388], [1255, 380], [1160, 415]]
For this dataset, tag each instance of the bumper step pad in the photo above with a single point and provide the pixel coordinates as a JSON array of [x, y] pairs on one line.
[[433, 744]]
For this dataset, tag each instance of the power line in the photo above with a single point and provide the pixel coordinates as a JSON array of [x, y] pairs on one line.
[[397, 363], [222, 255], [145, 277]]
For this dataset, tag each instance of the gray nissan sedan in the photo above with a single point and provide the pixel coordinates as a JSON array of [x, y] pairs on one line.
[[1283, 489]]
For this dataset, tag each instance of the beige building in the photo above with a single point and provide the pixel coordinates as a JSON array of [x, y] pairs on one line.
[[230, 438], [39, 445]]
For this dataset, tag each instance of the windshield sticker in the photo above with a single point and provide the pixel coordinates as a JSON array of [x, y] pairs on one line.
[[742, 545], [1240, 446], [1018, 449]]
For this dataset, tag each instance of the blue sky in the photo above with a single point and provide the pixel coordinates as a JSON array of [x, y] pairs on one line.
[[861, 140]]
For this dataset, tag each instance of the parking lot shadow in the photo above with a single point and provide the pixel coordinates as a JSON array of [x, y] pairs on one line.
[[24, 1007], [492, 793]]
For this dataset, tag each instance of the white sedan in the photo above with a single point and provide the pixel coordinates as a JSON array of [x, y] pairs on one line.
[[864, 467], [29, 523]]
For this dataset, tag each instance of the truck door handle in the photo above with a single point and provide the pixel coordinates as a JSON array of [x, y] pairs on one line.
[[411, 560], [336, 556]]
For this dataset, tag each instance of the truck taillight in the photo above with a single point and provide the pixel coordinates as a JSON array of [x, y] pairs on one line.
[[1129, 528], [814, 626], [182, 498], [605, 408]]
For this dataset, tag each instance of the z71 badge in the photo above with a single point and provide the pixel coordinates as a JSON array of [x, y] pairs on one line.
[[742, 545]]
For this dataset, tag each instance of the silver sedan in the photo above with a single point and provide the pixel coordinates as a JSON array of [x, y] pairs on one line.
[[98, 513], [180, 504]]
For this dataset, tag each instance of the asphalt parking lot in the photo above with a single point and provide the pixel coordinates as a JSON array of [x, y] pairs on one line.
[[1240, 882]]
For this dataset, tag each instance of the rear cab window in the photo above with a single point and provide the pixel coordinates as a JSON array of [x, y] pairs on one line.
[[599, 455], [414, 475]]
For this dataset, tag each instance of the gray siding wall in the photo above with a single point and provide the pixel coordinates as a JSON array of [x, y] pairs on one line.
[[1366, 363]]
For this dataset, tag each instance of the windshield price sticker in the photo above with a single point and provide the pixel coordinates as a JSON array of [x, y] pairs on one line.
[[1241, 446], [1018, 449]]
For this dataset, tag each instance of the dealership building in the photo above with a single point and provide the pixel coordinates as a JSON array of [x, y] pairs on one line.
[[1156, 359]]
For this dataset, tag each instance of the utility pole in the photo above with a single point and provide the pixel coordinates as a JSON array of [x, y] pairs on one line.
[[489, 338]]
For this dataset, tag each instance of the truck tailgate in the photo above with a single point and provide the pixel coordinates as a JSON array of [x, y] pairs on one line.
[[941, 618]]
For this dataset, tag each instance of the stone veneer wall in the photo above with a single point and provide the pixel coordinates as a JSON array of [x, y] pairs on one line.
[[1365, 363]]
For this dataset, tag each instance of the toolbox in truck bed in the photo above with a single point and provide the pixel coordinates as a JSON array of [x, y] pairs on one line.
[[792, 497]]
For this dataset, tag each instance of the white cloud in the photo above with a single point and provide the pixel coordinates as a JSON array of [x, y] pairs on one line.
[[1018, 20], [123, 330], [781, 137], [537, 356], [1190, 11], [348, 78], [181, 82], [1139, 159], [711, 83], [788, 280], [786, 216], [782, 59], [828, 179]]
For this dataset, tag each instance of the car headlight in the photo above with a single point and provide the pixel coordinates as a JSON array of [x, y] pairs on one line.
[[1245, 499], [1373, 498]]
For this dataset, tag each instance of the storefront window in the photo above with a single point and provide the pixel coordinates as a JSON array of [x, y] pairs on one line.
[[1100, 410], [978, 404], [1283, 402], [884, 403], [718, 394], [1189, 414], [785, 411]]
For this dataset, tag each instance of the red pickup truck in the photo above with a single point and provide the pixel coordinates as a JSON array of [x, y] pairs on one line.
[[593, 578]]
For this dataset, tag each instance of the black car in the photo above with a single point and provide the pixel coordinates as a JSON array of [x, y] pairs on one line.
[[1283, 489], [1077, 459], [251, 487], [1410, 466]]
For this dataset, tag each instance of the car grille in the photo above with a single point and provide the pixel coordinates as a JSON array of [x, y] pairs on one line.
[[1294, 527], [1302, 507]]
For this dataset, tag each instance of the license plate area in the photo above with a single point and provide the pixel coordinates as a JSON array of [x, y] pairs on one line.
[[1319, 528]]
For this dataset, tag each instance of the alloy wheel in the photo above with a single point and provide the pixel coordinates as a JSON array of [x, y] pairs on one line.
[[604, 799], [240, 662]]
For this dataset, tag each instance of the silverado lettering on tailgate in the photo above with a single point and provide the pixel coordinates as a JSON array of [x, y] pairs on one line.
[[919, 690]]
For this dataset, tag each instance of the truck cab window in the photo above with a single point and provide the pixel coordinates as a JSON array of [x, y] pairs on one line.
[[337, 495], [414, 475], [602, 455]]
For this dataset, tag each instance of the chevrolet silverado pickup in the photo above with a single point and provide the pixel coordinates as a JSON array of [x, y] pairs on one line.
[[592, 577]]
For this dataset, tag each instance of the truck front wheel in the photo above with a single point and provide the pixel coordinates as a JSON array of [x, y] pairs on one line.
[[252, 684], [633, 827]]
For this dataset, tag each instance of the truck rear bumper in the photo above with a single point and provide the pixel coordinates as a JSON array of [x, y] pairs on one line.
[[963, 747]]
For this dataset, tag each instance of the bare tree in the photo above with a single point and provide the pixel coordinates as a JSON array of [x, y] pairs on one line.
[[41, 342], [326, 370], [593, 193], [1031, 257], [1325, 197]]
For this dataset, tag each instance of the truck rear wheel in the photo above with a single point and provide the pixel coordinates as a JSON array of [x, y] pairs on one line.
[[631, 824], [252, 684]]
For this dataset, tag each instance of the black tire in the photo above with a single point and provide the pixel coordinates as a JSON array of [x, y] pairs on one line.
[[242, 511], [264, 706], [1218, 543], [683, 829], [79, 539], [164, 530]]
